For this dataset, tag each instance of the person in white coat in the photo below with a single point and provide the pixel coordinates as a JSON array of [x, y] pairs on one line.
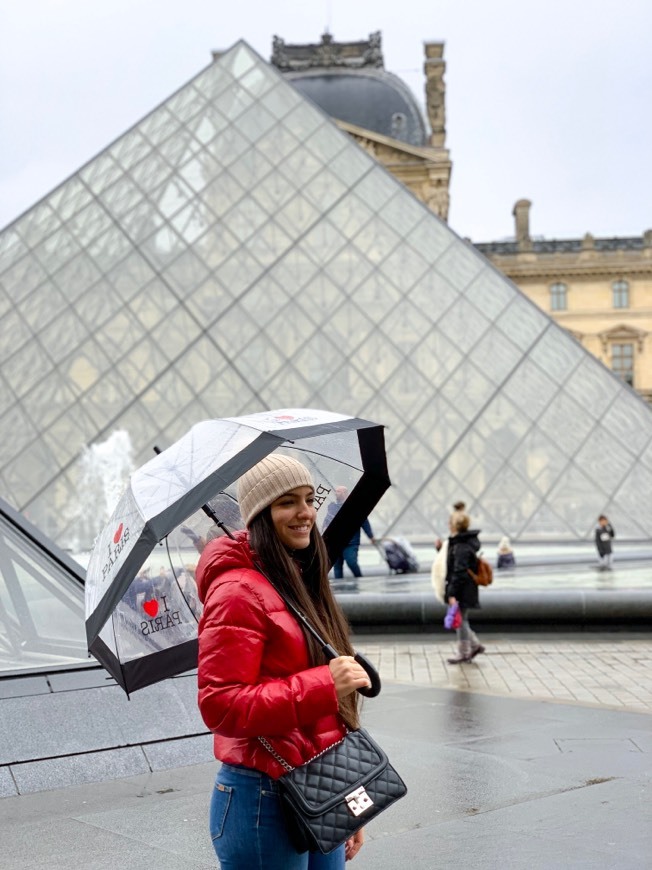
[[438, 571]]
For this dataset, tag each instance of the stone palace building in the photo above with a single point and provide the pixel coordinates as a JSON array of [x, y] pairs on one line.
[[599, 289]]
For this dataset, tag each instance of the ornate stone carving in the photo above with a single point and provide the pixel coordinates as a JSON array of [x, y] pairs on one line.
[[434, 68], [373, 55], [328, 53], [622, 333], [366, 144], [279, 56], [435, 195]]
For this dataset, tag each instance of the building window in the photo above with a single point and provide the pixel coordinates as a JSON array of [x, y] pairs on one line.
[[622, 361], [621, 294], [399, 125], [558, 296]]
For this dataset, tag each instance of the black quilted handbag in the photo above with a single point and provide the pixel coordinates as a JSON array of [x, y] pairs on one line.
[[330, 797], [333, 795]]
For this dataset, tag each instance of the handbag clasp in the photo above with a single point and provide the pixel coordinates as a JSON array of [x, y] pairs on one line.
[[358, 801]]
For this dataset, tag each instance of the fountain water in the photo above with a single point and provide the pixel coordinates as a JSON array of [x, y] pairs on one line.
[[104, 470]]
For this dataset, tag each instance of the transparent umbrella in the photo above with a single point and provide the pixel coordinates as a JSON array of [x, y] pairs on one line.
[[141, 600]]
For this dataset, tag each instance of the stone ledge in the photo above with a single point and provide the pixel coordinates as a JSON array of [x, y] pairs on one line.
[[114, 762], [581, 607]]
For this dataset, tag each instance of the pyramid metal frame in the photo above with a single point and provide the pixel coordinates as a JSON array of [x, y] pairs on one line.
[[235, 251]]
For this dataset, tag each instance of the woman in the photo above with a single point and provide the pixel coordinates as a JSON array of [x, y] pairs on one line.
[[260, 675], [463, 546]]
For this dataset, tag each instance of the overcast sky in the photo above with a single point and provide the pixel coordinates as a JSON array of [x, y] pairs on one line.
[[547, 101]]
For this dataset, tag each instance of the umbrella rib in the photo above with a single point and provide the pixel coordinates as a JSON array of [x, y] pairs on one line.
[[323, 456], [176, 580], [117, 647]]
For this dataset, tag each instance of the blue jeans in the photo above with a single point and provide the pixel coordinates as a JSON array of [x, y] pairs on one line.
[[248, 830], [350, 556]]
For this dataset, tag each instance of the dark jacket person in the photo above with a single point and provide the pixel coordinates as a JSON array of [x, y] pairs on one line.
[[463, 547]]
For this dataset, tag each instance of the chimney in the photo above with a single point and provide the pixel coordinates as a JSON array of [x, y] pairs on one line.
[[522, 221], [434, 68]]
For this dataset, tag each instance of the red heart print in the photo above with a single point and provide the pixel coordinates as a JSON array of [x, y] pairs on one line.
[[118, 533], [150, 607]]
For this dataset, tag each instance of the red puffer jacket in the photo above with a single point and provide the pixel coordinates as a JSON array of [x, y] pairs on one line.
[[254, 675]]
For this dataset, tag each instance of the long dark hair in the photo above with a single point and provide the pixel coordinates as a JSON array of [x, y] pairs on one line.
[[303, 577]]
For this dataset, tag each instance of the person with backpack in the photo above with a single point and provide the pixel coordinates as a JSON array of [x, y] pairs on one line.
[[461, 588]]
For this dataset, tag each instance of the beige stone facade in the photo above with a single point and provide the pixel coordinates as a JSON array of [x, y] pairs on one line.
[[600, 290], [425, 171]]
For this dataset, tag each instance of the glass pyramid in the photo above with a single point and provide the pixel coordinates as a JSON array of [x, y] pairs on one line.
[[235, 251], [41, 601]]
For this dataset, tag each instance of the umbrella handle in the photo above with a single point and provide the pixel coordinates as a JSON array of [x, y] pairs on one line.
[[368, 691], [374, 689]]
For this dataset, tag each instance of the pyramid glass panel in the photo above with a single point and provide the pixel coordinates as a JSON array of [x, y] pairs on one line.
[[236, 251], [41, 601]]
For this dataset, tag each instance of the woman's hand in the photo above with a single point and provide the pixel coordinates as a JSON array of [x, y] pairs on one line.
[[347, 675], [353, 845], [452, 600]]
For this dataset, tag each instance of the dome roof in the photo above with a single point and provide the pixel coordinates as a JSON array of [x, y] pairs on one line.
[[371, 98]]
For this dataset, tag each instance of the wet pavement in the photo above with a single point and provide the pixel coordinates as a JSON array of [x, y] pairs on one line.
[[538, 754], [508, 765]]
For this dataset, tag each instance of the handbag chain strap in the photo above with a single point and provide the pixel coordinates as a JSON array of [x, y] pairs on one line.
[[268, 746]]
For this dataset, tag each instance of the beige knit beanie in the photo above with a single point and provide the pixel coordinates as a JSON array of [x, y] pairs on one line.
[[267, 481]]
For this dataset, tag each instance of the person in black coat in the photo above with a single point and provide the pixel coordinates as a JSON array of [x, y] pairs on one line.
[[604, 532], [463, 547]]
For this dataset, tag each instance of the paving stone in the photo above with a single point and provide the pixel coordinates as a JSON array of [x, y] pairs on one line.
[[587, 672]]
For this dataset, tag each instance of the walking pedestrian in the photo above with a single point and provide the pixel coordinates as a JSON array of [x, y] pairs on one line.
[[463, 546], [261, 675], [604, 532], [440, 562], [350, 553]]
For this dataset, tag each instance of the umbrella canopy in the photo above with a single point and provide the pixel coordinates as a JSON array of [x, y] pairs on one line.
[[141, 624]]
